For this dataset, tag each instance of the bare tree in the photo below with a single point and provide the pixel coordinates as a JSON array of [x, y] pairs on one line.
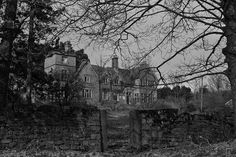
[[171, 28], [218, 82], [196, 28]]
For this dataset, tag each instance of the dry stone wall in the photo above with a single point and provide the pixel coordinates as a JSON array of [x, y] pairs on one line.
[[155, 127], [167, 128], [172, 129], [78, 132]]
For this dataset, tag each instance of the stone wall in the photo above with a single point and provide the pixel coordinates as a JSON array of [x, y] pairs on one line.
[[158, 128], [87, 130], [156, 125], [78, 132]]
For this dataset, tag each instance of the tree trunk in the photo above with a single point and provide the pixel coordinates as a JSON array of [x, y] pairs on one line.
[[6, 48], [0, 4], [229, 8], [29, 57]]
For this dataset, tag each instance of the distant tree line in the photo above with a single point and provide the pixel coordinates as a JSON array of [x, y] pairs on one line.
[[177, 92]]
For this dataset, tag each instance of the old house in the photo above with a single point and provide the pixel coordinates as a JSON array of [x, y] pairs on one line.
[[117, 85], [103, 84], [91, 82], [62, 63]]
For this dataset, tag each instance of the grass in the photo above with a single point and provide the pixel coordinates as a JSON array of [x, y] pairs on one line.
[[188, 149]]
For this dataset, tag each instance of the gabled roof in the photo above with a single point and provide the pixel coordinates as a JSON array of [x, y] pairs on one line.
[[98, 69], [128, 76], [124, 73]]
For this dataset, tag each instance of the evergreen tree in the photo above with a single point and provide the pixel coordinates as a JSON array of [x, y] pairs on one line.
[[27, 25], [7, 34]]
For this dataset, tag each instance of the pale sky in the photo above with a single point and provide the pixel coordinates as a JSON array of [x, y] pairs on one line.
[[158, 56], [95, 54]]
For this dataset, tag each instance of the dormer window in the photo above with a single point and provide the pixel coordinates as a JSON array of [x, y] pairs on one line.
[[87, 78], [64, 59]]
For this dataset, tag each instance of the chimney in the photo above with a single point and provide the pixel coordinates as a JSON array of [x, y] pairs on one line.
[[115, 62], [68, 47]]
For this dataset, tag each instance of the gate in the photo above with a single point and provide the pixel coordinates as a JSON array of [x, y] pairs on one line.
[[117, 129]]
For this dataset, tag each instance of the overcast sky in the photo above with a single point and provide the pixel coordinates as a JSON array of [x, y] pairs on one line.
[[95, 54]]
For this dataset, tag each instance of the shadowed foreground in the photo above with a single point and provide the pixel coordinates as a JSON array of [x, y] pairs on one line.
[[189, 149]]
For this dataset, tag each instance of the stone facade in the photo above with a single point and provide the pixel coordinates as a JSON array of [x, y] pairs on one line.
[[91, 83], [106, 84], [123, 86], [59, 62]]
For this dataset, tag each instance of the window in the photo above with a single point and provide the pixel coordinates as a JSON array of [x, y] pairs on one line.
[[150, 98], [128, 97], [143, 97], [64, 75], [115, 97], [106, 80], [64, 59], [87, 78], [143, 82], [137, 82], [87, 93], [56, 96], [136, 97], [105, 95], [116, 81]]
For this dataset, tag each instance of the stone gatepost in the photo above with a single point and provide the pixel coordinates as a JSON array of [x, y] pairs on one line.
[[103, 130], [135, 129]]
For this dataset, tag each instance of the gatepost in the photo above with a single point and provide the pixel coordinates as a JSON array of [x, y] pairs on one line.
[[135, 129], [103, 130]]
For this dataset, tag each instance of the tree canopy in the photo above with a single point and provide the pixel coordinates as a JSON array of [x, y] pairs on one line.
[[171, 29], [200, 32], [25, 27]]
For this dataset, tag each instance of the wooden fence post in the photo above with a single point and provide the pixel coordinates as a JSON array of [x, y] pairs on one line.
[[135, 129], [103, 130]]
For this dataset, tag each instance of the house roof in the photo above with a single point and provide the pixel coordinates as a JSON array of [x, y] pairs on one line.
[[123, 73], [98, 69], [127, 76]]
